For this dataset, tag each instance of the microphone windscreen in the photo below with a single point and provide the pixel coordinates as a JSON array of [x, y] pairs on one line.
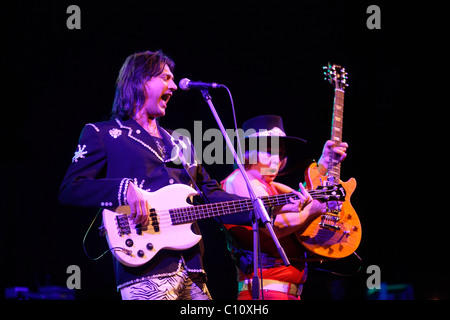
[[184, 84]]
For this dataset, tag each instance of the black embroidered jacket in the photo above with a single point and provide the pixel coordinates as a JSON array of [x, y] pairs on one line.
[[111, 154]]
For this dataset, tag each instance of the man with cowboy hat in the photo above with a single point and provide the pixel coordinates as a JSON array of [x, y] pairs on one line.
[[266, 149]]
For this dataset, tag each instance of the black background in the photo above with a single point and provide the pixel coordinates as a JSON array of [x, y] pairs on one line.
[[270, 55]]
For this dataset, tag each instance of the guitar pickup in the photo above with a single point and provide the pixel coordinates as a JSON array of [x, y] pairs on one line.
[[154, 219], [329, 222], [329, 226], [123, 225]]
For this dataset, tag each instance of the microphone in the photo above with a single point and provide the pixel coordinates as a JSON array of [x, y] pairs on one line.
[[186, 84]]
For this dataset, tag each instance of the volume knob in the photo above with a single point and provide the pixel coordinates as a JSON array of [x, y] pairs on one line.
[[129, 242]]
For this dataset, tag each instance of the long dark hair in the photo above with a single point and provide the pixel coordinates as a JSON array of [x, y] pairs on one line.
[[137, 69]]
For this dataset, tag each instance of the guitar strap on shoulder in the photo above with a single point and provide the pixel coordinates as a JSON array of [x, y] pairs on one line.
[[194, 185], [181, 145]]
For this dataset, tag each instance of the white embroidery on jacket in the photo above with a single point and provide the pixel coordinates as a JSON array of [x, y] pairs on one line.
[[156, 153], [93, 126], [80, 153], [115, 132]]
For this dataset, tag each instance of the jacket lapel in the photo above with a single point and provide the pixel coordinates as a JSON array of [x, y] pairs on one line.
[[139, 135]]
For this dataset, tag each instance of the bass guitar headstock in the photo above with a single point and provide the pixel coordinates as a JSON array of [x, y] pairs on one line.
[[329, 193]]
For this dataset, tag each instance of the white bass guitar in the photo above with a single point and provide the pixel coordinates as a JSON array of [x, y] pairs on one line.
[[171, 217]]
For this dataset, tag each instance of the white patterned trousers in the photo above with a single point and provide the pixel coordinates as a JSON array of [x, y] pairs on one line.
[[181, 286]]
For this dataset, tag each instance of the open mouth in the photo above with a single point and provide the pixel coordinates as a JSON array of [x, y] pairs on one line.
[[166, 97]]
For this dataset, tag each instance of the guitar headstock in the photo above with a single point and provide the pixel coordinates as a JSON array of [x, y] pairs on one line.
[[336, 75], [329, 193]]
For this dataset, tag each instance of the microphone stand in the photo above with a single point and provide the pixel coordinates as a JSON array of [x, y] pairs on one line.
[[259, 210]]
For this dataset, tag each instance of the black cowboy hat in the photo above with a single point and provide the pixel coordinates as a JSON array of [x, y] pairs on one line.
[[270, 128]]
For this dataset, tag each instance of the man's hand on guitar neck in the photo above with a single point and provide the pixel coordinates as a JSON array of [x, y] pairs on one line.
[[329, 148], [139, 207]]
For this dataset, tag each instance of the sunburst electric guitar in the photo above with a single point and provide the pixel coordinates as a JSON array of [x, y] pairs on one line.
[[337, 233], [171, 217]]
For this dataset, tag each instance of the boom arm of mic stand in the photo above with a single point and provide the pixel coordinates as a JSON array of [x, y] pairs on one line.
[[258, 206]]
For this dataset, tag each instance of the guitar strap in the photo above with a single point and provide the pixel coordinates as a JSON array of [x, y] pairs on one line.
[[186, 168]]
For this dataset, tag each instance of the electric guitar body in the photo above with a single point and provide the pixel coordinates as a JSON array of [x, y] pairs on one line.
[[337, 233]]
